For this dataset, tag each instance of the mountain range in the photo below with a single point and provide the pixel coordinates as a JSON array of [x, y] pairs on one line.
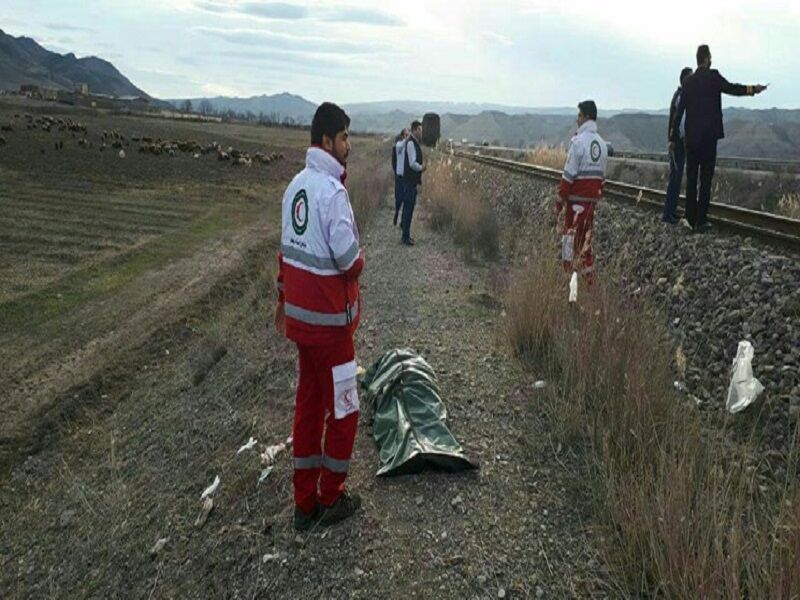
[[23, 61], [773, 133]]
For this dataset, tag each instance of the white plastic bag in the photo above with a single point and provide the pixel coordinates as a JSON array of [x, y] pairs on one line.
[[573, 287], [744, 388]]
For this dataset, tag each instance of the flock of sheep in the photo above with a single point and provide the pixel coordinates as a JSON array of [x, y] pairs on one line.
[[46, 124], [237, 157], [147, 145]]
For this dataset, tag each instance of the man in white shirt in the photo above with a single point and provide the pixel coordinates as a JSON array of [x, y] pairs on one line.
[[398, 160]]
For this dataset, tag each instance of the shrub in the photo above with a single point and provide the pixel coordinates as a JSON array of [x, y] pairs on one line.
[[460, 209], [789, 206], [547, 156], [369, 180]]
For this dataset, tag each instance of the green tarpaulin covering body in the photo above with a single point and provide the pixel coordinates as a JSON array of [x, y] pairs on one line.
[[409, 417]]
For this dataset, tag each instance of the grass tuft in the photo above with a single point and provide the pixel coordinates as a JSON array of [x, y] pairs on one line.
[[460, 210], [547, 156], [687, 513], [789, 206]]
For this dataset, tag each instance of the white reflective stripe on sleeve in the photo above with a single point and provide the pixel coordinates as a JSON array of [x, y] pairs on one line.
[[591, 174], [317, 318], [346, 260], [334, 265], [294, 255]]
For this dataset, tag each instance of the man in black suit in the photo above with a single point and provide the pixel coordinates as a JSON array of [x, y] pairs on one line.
[[702, 102], [677, 155]]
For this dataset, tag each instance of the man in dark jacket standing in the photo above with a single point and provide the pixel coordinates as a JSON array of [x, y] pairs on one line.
[[702, 102], [412, 176], [398, 156], [677, 155]]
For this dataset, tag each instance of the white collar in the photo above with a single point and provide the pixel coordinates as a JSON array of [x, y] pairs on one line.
[[319, 160], [590, 126]]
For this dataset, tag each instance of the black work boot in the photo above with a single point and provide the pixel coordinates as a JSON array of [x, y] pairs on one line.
[[304, 521], [344, 507]]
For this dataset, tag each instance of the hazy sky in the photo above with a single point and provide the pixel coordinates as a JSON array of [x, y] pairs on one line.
[[520, 52]]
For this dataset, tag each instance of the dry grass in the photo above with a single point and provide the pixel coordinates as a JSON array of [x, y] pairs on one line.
[[685, 513], [547, 156], [368, 181], [789, 206], [460, 209]]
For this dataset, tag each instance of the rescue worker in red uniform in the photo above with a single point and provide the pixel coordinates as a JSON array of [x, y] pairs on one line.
[[580, 190], [318, 309]]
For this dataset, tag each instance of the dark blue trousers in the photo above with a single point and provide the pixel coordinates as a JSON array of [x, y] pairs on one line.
[[409, 202], [676, 163], [398, 196]]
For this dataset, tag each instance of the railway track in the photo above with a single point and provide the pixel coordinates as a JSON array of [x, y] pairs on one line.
[[768, 165], [730, 162], [767, 227]]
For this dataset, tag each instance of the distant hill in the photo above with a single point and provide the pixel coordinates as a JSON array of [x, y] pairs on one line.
[[419, 107], [23, 61], [773, 133], [277, 107], [755, 133]]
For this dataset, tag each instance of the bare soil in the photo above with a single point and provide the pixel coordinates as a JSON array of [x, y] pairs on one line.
[[126, 406]]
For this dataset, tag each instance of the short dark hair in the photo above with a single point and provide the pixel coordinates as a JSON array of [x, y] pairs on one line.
[[328, 120], [685, 72], [415, 124], [589, 109], [703, 52]]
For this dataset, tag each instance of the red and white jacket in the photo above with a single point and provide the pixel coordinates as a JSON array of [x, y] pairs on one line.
[[585, 170], [319, 260]]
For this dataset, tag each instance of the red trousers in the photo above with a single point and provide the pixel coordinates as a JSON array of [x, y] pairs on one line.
[[326, 406], [576, 249]]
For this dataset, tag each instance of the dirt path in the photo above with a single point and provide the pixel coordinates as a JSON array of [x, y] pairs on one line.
[[516, 525], [79, 519]]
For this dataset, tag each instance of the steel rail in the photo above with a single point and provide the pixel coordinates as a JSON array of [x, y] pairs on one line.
[[768, 227], [745, 163]]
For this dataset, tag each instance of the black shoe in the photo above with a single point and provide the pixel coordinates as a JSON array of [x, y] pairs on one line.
[[304, 521], [408, 242], [705, 227], [344, 507]]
